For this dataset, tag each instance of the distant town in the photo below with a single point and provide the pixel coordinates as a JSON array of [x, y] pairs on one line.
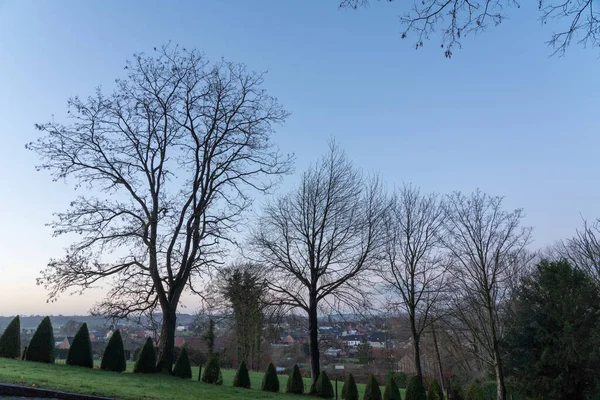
[[347, 344]]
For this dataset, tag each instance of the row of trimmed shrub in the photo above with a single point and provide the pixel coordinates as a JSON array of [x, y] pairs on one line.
[[324, 389], [41, 348]]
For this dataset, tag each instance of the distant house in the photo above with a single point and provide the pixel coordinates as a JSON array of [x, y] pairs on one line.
[[353, 340], [65, 343], [377, 339], [332, 352], [288, 339], [190, 342], [407, 364]]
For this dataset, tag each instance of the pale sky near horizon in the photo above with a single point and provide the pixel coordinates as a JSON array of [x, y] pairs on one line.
[[500, 115]]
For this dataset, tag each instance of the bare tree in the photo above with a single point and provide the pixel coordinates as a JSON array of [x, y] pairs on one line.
[[456, 19], [583, 249], [318, 242], [487, 247], [414, 267], [167, 160]]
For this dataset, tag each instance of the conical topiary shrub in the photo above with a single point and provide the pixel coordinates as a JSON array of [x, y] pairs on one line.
[[435, 391], [242, 379], [146, 361], [80, 352], [212, 371], [391, 390], [270, 382], [455, 390], [295, 383], [415, 389], [349, 390], [41, 346], [10, 341], [182, 368], [323, 386], [475, 392], [372, 391], [113, 358], [401, 380]]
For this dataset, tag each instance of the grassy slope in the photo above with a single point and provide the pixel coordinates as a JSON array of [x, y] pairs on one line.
[[126, 385], [134, 386]]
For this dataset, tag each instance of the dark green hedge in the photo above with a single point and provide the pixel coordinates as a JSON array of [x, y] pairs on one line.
[[211, 371], [113, 358], [41, 346], [270, 382], [372, 390], [323, 386], [80, 352], [182, 368], [295, 383], [349, 390], [146, 361], [242, 379], [10, 341]]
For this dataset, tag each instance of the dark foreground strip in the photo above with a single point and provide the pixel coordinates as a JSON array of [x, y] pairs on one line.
[[24, 391]]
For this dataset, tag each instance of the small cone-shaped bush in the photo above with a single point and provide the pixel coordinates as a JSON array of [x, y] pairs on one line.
[[349, 390], [435, 391], [455, 390], [295, 383], [401, 380], [146, 361], [220, 378], [113, 358], [80, 352], [270, 382], [475, 392], [10, 341], [415, 389], [211, 371], [242, 379], [372, 391], [323, 386], [41, 346], [182, 368], [391, 390]]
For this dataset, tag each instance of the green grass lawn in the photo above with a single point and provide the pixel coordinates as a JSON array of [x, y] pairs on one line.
[[135, 386]]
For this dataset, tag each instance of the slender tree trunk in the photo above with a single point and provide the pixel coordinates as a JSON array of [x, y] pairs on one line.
[[439, 359], [166, 349], [416, 346], [313, 328], [501, 389]]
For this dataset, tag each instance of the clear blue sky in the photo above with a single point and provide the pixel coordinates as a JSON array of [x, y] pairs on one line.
[[500, 115]]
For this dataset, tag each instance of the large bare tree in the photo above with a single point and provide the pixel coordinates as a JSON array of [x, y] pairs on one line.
[[414, 267], [488, 249], [166, 161], [319, 241], [455, 19]]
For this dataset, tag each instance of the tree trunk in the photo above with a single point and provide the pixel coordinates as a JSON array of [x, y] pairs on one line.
[[166, 344], [416, 345], [313, 328], [439, 358], [501, 391]]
